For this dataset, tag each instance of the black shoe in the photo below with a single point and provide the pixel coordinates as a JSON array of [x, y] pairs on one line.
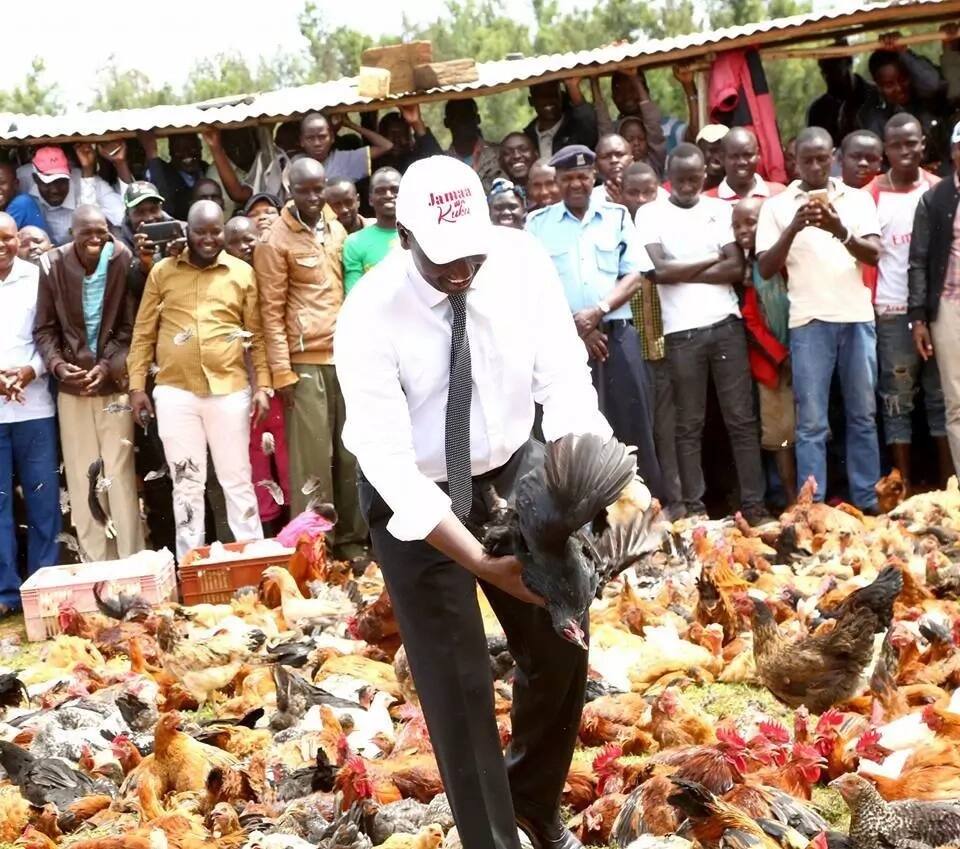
[[757, 516], [872, 510], [548, 835]]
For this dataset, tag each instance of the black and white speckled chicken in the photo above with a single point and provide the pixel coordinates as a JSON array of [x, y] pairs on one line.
[[877, 824]]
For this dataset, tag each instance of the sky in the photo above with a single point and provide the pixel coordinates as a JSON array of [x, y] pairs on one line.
[[164, 38]]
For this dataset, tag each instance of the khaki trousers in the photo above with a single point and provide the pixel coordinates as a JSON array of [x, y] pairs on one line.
[[88, 432], [314, 427], [946, 345]]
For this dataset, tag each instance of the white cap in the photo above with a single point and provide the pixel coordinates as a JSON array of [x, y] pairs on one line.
[[442, 202]]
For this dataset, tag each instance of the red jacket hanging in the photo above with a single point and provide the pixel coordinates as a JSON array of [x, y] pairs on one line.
[[740, 97]]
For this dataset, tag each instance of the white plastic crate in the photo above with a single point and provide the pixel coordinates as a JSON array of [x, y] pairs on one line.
[[150, 574]]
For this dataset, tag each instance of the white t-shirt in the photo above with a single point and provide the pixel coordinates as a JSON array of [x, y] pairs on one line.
[[896, 209], [824, 281], [690, 234]]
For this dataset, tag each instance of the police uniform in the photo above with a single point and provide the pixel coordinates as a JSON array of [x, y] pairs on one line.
[[591, 255]]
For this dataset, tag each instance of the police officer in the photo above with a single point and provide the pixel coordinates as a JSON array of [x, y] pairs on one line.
[[441, 351], [599, 258]]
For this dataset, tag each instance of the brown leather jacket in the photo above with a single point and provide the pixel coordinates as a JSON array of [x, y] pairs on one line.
[[59, 330], [300, 281]]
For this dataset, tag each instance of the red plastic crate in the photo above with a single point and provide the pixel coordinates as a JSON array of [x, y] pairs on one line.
[[150, 574], [215, 583]]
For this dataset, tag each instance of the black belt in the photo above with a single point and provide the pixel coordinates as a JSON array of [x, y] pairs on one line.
[[728, 320], [617, 322]]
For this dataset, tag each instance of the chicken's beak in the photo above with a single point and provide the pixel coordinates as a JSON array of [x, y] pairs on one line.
[[573, 633]]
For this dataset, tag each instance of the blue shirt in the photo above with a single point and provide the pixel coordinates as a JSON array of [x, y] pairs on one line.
[[590, 255], [93, 288], [26, 212]]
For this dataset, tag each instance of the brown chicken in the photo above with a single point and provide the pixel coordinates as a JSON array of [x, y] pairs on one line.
[[931, 773], [34, 839], [14, 813], [376, 624], [617, 719], [675, 723], [389, 780], [717, 586], [820, 671], [891, 491], [594, 824], [178, 763], [646, 810]]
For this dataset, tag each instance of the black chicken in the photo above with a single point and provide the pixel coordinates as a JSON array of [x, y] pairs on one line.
[[309, 779], [295, 695], [563, 561], [876, 823], [12, 691], [45, 781], [94, 477], [125, 607]]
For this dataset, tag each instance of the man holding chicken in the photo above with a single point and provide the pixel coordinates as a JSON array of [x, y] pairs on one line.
[[439, 413]]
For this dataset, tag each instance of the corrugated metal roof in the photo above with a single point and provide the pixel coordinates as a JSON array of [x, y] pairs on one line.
[[492, 75]]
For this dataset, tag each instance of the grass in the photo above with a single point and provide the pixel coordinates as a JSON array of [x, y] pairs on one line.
[[832, 808], [736, 701]]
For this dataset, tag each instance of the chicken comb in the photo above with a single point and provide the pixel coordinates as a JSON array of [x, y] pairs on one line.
[[870, 737], [607, 757], [727, 733], [829, 719], [774, 731]]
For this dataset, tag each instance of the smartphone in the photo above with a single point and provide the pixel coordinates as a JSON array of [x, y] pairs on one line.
[[161, 233], [821, 196]]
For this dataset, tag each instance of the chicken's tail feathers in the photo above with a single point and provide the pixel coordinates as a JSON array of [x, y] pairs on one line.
[[692, 798], [878, 596], [621, 546], [109, 607], [587, 473]]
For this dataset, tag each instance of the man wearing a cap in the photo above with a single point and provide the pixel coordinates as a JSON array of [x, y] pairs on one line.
[[441, 356], [83, 329], [262, 209], [934, 296], [300, 278], [595, 249], [60, 189], [710, 141]]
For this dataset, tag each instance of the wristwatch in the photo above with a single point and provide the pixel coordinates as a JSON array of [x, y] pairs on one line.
[[912, 324], [603, 306]]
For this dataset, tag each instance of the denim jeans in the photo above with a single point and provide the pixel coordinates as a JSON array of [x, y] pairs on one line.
[[900, 369], [816, 349], [720, 351], [30, 449]]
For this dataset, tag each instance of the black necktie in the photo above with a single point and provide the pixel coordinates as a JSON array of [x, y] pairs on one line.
[[457, 443]]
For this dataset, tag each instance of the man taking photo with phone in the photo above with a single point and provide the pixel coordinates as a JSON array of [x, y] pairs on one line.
[[821, 231]]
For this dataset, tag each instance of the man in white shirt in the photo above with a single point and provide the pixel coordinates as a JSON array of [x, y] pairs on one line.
[[689, 239], [901, 369], [821, 232], [441, 352], [60, 189], [28, 428]]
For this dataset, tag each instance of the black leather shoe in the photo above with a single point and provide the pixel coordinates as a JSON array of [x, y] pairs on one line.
[[548, 835]]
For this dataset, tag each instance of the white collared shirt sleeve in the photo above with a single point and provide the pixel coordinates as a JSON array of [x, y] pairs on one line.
[[109, 200], [378, 430], [561, 376]]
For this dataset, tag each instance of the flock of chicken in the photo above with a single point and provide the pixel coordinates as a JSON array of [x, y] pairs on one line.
[[288, 717]]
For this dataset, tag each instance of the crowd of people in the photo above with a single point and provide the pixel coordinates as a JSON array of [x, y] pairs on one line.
[[169, 322]]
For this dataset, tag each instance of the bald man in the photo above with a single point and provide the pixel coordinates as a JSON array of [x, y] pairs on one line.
[[821, 232], [740, 154], [198, 316], [28, 426], [83, 329], [300, 277]]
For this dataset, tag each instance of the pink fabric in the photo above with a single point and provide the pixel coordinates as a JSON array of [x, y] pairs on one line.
[[308, 523], [262, 464]]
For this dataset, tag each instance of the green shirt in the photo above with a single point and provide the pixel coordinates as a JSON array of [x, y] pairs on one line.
[[363, 250]]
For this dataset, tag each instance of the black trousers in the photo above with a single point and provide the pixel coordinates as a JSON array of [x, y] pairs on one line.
[[435, 602], [625, 389], [694, 355]]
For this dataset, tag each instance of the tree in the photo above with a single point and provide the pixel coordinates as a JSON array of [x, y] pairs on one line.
[[335, 52], [128, 89], [34, 96]]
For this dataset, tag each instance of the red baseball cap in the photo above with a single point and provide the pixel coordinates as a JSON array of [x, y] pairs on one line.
[[50, 164]]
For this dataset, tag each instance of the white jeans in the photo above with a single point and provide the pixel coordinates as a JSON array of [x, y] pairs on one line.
[[946, 346], [187, 424]]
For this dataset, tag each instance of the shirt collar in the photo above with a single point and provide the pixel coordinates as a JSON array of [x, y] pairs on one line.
[[835, 188], [592, 212], [184, 259], [550, 131], [431, 296], [760, 189], [20, 271]]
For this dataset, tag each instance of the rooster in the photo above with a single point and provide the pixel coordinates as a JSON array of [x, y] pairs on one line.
[[675, 723], [713, 822], [388, 780], [563, 562], [307, 535]]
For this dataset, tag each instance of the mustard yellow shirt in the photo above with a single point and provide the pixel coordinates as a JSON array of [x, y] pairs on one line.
[[196, 324]]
